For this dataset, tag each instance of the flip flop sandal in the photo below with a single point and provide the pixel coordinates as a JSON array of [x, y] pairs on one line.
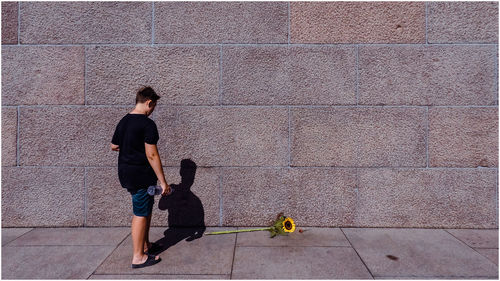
[[150, 261], [155, 247]]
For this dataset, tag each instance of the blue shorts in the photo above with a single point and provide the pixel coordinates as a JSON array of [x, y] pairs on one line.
[[142, 203]]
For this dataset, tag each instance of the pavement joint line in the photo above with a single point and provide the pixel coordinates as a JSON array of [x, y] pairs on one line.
[[465, 244], [111, 252], [352, 246]]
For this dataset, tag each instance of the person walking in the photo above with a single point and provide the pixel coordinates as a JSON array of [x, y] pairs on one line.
[[139, 167]]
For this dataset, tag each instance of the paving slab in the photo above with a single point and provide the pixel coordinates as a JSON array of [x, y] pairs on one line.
[[311, 236], [403, 252], [477, 238], [298, 263], [158, 276], [10, 234], [491, 254], [77, 236], [209, 254], [52, 262]]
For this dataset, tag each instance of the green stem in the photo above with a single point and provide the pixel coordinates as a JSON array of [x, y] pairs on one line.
[[242, 230]]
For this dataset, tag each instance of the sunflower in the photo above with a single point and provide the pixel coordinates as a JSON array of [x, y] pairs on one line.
[[288, 225], [281, 226]]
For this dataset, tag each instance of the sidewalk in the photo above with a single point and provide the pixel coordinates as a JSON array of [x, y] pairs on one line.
[[317, 253]]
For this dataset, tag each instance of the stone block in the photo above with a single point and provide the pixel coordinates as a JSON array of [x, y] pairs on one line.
[[9, 22], [9, 136], [221, 22], [357, 22], [310, 196], [455, 198], [223, 136], [108, 204], [68, 135], [358, 137], [463, 137], [35, 75], [276, 75], [42, 196], [85, 22], [427, 75], [179, 74], [462, 22], [391, 137]]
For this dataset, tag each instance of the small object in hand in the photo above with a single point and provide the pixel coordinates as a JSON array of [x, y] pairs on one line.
[[157, 190]]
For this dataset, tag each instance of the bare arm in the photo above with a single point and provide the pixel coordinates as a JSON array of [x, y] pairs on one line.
[[154, 161]]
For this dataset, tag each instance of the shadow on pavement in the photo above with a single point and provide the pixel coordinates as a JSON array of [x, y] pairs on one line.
[[186, 216]]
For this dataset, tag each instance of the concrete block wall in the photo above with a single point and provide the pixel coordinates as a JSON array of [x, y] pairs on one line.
[[361, 114]]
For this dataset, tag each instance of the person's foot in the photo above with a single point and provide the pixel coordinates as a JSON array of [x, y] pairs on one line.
[[147, 260], [140, 260]]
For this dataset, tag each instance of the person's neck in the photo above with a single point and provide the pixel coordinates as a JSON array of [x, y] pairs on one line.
[[135, 112], [138, 111]]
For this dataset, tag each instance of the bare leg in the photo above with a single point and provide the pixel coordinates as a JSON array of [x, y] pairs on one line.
[[146, 234], [138, 232]]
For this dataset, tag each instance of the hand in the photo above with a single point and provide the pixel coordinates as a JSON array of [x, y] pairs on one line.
[[166, 189]]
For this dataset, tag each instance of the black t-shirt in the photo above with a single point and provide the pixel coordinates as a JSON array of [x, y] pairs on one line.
[[134, 170]]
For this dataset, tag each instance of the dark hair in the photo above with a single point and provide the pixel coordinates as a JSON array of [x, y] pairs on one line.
[[146, 93]]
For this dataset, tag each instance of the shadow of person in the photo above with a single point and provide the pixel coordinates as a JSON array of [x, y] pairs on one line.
[[186, 216]]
